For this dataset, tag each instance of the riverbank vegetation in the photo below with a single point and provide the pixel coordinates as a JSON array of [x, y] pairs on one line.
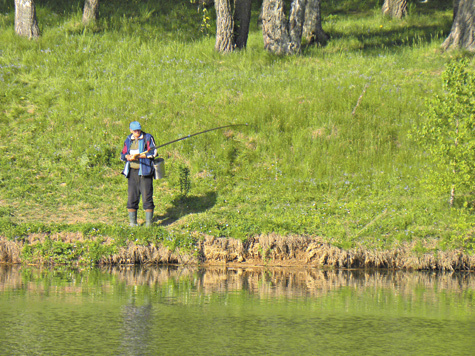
[[327, 150]]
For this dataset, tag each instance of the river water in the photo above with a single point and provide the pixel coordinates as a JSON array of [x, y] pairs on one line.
[[232, 311]]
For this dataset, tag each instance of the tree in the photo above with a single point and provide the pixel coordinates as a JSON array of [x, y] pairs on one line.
[[26, 24], [232, 24], [242, 16], [456, 6], [224, 26], [282, 36], [447, 131], [395, 8], [462, 34], [91, 11], [312, 28]]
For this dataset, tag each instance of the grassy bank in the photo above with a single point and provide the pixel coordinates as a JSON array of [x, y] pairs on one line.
[[325, 153]]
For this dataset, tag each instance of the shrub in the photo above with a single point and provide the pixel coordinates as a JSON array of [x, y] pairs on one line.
[[447, 132]]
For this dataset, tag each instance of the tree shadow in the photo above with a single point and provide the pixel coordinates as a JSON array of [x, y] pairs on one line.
[[180, 18], [349, 7], [109, 8], [371, 43], [142, 18], [182, 206]]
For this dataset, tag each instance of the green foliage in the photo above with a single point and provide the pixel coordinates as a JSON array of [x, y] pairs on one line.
[[205, 26], [92, 246], [447, 131], [53, 252], [88, 252]]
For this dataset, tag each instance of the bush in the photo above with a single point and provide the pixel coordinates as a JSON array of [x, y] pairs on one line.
[[447, 132]]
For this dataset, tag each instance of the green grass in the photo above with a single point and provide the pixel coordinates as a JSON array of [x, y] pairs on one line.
[[303, 165]]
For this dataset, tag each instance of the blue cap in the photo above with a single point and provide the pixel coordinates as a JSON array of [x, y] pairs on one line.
[[135, 125]]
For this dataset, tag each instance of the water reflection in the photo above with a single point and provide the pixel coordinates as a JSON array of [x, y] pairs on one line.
[[216, 311], [136, 328], [263, 282]]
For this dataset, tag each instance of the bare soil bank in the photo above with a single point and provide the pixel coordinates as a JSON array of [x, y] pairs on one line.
[[267, 250]]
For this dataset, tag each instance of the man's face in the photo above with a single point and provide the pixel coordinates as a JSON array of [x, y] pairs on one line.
[[136, 133]]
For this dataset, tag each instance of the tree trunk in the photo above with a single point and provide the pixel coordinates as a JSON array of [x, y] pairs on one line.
[[395, 8], [91, 11], [280, 36], [296, 21], [26, 24], [312, 28], [462, 34], [274, 27], [224, 26], [242, 18], [456, 6]]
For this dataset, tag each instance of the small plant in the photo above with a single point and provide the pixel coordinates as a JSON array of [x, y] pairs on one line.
[[205, 26], [184, 179]]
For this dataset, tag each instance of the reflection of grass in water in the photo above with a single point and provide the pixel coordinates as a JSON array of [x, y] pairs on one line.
[[265, 283]]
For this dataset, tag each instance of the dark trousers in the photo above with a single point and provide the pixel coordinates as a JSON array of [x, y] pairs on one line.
[[140, 185]]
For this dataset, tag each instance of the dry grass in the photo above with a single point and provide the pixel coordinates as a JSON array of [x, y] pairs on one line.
[[265, 250]]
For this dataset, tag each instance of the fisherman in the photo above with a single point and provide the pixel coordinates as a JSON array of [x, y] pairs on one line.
[[139, 153]]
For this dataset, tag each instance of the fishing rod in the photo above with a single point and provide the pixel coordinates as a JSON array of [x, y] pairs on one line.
[[189, 136]]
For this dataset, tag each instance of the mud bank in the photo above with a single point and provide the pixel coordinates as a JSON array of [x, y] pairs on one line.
[[265, 250]]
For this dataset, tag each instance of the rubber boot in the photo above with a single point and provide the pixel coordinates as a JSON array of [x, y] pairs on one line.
[[148, 218], [133, 218]]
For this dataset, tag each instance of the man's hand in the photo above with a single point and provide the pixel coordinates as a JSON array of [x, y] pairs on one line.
[[135, 157]]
